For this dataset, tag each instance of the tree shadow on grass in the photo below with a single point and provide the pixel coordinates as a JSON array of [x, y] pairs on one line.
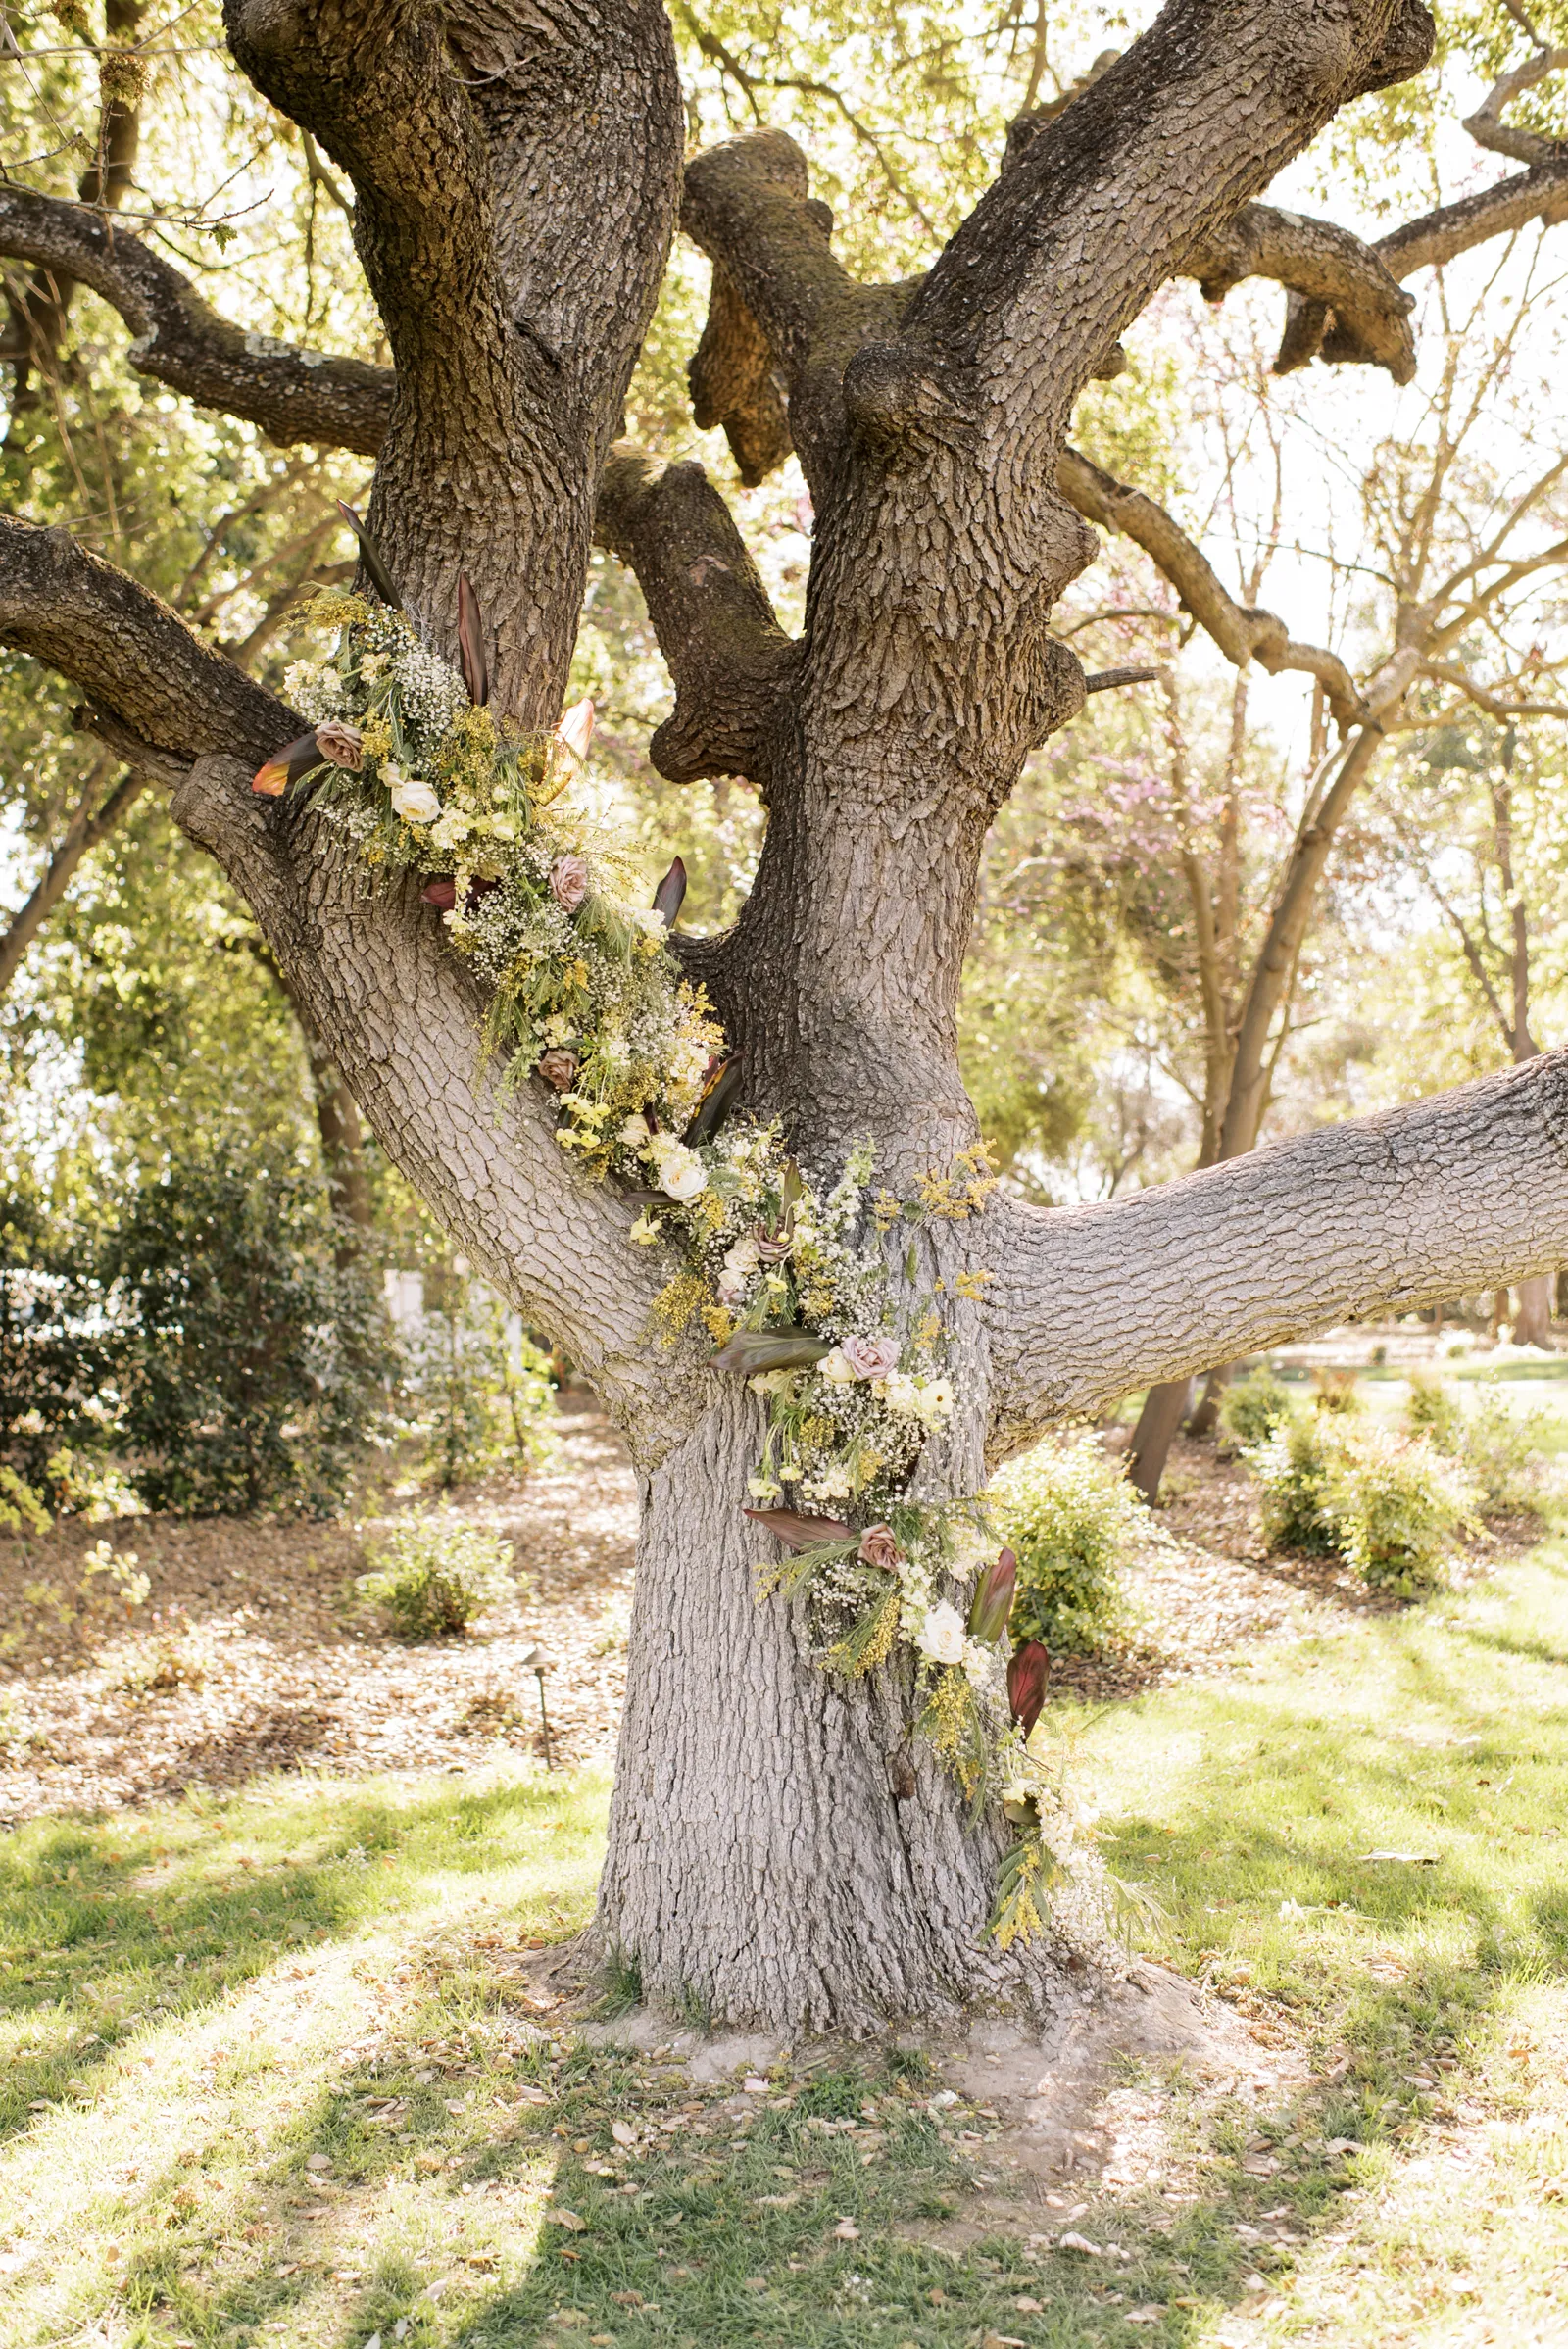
[[100, 1934]]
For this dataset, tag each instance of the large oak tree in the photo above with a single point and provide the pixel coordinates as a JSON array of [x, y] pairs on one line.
[[779, 1846]]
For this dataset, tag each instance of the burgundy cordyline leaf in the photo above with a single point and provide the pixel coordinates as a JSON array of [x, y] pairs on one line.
[[370, 554], [285, 766], [714, 1105], [800, 1533], [1026, 1684], [443, 892], [752, 1350], [470, 643], [671, 889], [993, 1599]]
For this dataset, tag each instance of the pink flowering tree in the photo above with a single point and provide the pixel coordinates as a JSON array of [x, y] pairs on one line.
[[781, 1845]]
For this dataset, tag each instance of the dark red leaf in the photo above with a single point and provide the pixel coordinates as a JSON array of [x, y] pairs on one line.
[[715, 1101], [667, 896], [372, 558], [441, 893], [993, 1599], [285, 766], [1026, 1682], [800, 1533], [470, 643]]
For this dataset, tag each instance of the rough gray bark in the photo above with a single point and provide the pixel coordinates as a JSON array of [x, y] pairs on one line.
[[778, 1848]]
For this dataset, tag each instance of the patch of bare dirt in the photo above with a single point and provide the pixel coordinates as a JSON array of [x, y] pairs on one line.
[[252, 1651]]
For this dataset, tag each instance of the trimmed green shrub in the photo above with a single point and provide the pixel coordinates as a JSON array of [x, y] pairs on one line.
[[1389, 1504], [252, 1367], [1434, 1411], [1252, 1408], [433, 1575], [1068, 1513], [1505, 1451], [1293, 1469], [1395, 1506]]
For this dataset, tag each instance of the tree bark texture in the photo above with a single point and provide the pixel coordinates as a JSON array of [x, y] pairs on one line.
[[779, 1846]]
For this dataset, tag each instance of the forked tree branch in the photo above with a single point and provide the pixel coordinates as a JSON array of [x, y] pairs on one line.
[[294, 395], [1461, 1192], [1241, 632]]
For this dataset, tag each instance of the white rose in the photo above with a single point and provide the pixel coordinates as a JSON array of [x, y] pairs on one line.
[[681, 1173], [742, 1257], [941, 1636], [935, 1401], [835, 1369], [731, 1288], [635, 1131], [412, 798], [902, 1393]]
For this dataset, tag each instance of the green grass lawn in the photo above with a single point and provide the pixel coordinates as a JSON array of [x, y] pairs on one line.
[[271, 2075]]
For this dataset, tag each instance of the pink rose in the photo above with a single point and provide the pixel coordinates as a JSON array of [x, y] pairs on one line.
[[568, 880], [871, 1357], [343, 745], [879, 1549], [559, 1068]]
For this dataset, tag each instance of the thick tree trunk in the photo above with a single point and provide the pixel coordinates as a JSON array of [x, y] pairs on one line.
[[1165, 1406], [780, 1845], [1532, 1321]]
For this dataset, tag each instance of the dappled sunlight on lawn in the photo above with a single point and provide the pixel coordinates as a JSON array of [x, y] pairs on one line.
[[238, 2133]]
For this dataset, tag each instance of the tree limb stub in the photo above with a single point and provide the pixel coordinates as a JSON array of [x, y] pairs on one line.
[[1464, 1191], [730, 660], [782, 300]]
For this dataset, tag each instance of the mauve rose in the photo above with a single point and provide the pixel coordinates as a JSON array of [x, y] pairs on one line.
[[568, 881], [878, 1548], [343, 745], [559, 1068], [871, 1357]]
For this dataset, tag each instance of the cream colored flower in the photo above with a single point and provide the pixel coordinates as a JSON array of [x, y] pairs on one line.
[[836, 1369], [681, 1173], [941, 1636], [634, 1133], [412, 796]]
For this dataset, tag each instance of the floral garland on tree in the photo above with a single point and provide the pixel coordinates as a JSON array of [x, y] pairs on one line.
[[791, 1282]]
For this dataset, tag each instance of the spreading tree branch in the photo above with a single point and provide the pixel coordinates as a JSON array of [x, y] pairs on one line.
[[1461, 1192], [157, 694], [294, 395]]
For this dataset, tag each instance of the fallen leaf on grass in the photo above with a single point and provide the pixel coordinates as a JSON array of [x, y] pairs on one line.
[[1079, 2242], [623, 2132], [1150, 2314], [1001, 2340], [847, 2231], [1029, 2308], [569, 2219]]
